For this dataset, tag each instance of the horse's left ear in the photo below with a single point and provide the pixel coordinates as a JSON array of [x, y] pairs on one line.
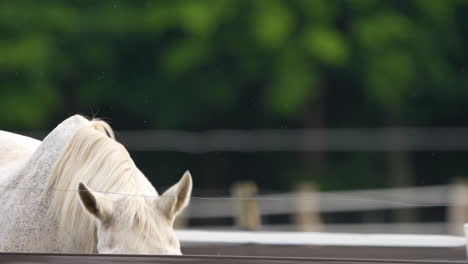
[[94, 203], [176, 198]]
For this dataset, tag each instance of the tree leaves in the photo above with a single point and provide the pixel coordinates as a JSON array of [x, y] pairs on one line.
[[283, 50], [326, 45]]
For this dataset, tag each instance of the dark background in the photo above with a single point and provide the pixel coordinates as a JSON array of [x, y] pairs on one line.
[[240, 64]]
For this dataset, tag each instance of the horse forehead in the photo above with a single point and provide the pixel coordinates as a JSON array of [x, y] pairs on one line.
[[134, 209], [129, 203]]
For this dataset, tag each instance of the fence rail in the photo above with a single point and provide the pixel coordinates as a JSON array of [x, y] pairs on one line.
[[344, 201], [140, 259], [320, 139], [453, 197], [390, 139]]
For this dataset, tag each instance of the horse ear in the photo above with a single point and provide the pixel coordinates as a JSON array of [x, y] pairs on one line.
[[177, 197], [94, 203]]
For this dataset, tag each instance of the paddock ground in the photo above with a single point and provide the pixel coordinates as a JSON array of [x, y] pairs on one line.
[[347, 252]]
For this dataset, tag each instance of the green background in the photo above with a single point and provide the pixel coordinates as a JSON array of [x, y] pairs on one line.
[[242, 64]]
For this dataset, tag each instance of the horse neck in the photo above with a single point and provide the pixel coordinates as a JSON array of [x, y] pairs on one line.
[[39, 166], [24, 220]]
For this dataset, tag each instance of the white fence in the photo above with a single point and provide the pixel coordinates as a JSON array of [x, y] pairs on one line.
[[362, 200], [309, 205]]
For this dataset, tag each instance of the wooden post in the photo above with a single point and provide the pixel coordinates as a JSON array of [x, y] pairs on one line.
[[399, 164], [247, 216], [458, 210], [307, 217]]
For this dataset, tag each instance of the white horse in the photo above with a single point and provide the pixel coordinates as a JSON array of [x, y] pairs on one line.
[[47, 206]]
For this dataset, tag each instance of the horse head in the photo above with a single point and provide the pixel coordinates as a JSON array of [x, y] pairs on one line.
[[136, 224]]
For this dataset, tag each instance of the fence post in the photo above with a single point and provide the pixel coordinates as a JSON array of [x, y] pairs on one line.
[[247, 216], [307, 216], [458, 210]]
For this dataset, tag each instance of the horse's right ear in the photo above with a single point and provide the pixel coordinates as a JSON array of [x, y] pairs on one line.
[[94, 203], [176, 198]]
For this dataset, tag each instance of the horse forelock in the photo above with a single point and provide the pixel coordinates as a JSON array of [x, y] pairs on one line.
[[94, 157]]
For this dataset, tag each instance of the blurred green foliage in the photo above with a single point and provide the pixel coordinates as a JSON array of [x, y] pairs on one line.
[[234, 63]]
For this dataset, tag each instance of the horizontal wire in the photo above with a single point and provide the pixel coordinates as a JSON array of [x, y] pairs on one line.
[[257, 198]]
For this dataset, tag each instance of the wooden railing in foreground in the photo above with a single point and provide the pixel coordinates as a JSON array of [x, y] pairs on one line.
[[32, 258], [139, 259]]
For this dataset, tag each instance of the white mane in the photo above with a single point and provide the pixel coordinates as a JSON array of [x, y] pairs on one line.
[[93, 157]]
